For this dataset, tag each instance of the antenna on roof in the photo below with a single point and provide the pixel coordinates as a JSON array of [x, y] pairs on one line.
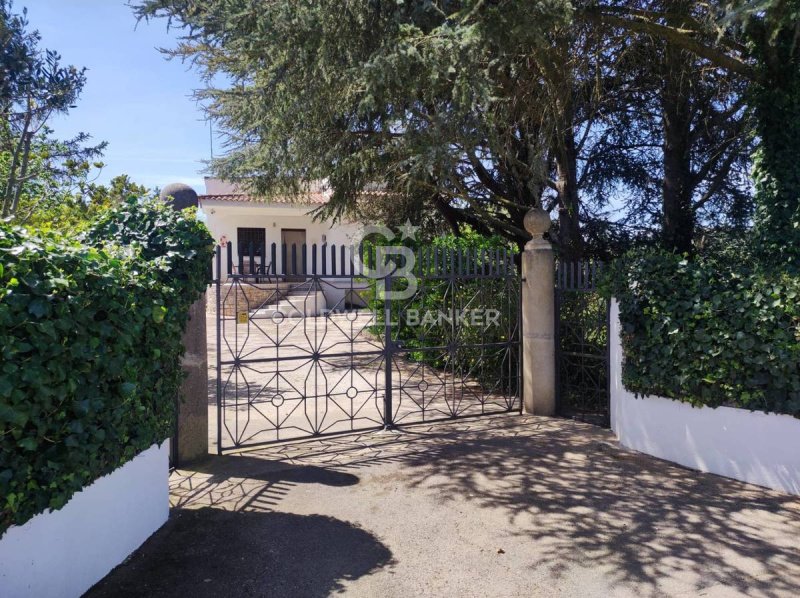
[[211, 137]]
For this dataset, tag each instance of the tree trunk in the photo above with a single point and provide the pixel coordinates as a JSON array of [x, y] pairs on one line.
[[448, 213], [23, 172], [10, 190], [566, 159], [677, 212]]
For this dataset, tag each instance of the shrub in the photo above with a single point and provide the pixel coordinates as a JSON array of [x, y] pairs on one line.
[[438, 293], [709, 331], [91, 344]]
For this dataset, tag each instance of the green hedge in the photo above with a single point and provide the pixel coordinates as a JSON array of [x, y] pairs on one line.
[[709, 332], [90, 332]]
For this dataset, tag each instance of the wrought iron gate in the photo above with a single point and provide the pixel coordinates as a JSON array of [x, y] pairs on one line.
[[582, 348], [309, 343]]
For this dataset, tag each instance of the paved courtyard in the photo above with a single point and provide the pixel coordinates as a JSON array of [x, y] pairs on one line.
[[506, 505]]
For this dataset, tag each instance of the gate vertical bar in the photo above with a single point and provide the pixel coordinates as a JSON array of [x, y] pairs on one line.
[[220, 307], [388, 418], [518, 287], [608, 357], [560, 271]]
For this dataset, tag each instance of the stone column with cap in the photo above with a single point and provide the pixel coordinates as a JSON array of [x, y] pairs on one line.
[[538, 318], [191, 434]]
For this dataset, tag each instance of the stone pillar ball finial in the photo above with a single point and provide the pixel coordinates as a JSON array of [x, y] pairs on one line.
[[537, 222], [179, 196]]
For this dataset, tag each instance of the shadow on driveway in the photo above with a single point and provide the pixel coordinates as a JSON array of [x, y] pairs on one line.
[[650, 526], [574, 511], [497, 506], [210, 553]]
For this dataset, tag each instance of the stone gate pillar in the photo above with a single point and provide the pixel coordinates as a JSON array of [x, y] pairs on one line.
[[538, 318], [192, 432], [191, 441]]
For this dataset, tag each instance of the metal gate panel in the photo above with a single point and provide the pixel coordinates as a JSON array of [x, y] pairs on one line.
[[582, 347], [328, 355]]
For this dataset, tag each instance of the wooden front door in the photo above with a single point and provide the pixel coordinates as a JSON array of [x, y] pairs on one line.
[[293, 240]]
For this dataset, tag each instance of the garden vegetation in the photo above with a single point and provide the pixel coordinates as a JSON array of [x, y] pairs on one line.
[[90, 332], [709, 331]]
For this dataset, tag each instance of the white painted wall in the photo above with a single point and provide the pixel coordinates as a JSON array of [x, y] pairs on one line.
[[63, 553], [755, 447]]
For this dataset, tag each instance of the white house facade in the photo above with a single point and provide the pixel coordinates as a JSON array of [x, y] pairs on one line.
[[277, 245], [253, 225]]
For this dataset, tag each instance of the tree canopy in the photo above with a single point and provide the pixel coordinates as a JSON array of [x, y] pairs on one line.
[[34, 86], [626, 119], [46, 183]]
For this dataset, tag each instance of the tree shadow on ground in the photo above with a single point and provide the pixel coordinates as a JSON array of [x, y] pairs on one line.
[[640, 520], [243, 466], [247, 483], [210, 553], [643, 524], [573, 499]]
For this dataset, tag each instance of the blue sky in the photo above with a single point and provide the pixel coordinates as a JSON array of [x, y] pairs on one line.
[[134, 98]]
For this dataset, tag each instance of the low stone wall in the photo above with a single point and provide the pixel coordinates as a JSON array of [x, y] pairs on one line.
[[755, 447], [245, 297], [63, 553]]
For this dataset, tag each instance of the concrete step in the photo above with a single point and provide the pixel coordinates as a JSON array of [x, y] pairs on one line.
[[260, 296], [293, 294], [293, 306]]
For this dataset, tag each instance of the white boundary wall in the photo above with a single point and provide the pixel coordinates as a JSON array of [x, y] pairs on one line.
[[755, 447], [63, 553]]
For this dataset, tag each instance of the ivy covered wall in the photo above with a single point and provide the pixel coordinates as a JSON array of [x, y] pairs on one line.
[[709, 331]]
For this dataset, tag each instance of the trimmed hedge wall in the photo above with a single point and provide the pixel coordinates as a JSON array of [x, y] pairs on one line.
[[90, 332], [709, 332]]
